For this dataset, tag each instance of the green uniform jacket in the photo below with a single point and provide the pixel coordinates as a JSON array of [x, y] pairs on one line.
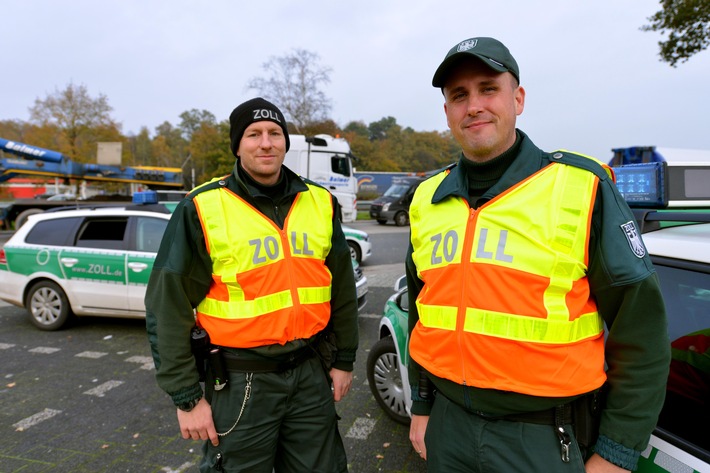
[[182, 274], [628, 297]]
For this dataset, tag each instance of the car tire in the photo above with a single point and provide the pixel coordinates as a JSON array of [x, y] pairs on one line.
[[48, 306], [382, 221], [385, 380], [355, 252], [401, 219], [22, 217]]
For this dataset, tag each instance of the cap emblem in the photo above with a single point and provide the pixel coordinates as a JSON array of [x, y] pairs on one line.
[[466, 45], [266, 114]]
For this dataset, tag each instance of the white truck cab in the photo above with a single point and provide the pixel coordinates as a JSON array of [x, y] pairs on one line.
[[327, 161]]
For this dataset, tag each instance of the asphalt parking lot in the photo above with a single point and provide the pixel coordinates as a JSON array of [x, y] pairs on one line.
[[85, 399]]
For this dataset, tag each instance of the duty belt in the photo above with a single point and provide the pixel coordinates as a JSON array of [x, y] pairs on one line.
[[233, 362], [553, 416]]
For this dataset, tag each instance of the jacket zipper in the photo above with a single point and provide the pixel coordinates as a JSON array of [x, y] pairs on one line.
[[465, 262]]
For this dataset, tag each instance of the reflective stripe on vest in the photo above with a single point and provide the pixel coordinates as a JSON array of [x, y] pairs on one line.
[[268, 285], [507, 285]]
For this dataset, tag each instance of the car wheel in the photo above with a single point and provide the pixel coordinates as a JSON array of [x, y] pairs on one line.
[[401, 219], [385, 380], [381, 221], [48, 306], [355, 252], [22, 217]]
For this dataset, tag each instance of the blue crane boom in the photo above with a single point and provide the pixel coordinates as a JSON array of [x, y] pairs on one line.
[[38, 161]]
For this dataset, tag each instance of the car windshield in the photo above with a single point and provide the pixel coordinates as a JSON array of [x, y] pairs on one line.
[[396, 190]]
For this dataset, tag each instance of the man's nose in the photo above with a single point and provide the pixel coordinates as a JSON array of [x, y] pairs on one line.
[[473, 105], [265, 141]]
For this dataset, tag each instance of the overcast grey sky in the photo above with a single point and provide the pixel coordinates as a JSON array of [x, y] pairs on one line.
[[593, 79]]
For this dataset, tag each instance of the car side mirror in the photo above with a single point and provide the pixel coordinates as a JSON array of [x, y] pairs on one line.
[[400, 283]]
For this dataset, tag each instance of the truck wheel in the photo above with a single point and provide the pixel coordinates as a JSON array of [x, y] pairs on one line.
[[48, 306], [385, 380], [22, 217], [382, 221], [355, 252], [401, 219]]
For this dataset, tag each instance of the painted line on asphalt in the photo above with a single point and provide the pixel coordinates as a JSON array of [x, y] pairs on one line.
[[180, 469], [145, 361], [5, 346], [30, 421], [91, 354], [102, 389], [361, 428], [44, 350]]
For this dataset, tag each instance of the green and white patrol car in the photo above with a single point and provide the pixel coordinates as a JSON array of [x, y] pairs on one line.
[[359, 243], [671, 202], [81, 262]]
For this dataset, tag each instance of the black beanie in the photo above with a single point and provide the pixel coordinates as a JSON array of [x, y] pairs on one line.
[[254, 110]]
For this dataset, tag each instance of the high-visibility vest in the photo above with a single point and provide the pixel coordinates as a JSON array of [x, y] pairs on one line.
[[269, 286], [506, 303]]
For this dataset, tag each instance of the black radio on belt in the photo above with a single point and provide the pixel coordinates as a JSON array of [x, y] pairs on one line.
[[200, 344]]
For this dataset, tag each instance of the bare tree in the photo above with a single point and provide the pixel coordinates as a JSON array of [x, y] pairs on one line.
[[293, 83], [75, 113], [687, 23]]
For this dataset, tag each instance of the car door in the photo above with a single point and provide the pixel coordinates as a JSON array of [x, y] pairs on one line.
[[681, 438], [95, 266], [146, 234]]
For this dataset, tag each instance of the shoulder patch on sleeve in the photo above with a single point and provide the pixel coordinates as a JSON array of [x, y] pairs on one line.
[[634, 239]]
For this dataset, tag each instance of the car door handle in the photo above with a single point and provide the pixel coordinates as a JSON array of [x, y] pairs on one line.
[[69, 262], [137, 267]]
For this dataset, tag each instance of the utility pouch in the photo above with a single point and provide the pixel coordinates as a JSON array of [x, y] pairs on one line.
[[586, 417], [426, 388], [326, 349], [218, 369], [200, 344]]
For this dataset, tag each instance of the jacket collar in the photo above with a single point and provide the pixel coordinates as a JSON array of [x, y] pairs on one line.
[[294, 183], [530, 159]]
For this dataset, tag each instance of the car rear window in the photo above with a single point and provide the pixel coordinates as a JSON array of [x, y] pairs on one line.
[[686, 412], [55, 232], [107, 233]]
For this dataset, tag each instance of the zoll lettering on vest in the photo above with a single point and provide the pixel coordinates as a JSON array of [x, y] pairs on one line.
[[266, 114]]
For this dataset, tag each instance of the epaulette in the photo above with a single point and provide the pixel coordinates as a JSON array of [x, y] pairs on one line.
[[214, 183], [581, 161]]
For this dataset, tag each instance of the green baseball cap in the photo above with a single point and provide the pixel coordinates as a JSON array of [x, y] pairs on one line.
[[492, 52]]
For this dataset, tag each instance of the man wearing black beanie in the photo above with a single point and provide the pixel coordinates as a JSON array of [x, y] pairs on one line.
[[260, 258]]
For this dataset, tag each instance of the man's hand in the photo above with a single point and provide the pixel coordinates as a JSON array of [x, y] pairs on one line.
[[597, 464], [417, 429], [342, 380], [198, 424]]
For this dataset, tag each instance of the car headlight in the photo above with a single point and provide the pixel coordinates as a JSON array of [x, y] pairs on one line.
[[385, 206]]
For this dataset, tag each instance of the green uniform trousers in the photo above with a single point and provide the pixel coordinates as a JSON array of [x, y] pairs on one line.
[[459, 441], [288, 424]]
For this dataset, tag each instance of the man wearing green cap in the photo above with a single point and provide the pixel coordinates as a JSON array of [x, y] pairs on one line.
[[517, 262], [254, 268]]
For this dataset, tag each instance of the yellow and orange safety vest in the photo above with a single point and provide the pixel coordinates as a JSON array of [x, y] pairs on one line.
[[269, 285], [506, 303]]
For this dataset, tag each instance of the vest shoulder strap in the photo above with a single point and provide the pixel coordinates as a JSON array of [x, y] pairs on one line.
[[582, 161]]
